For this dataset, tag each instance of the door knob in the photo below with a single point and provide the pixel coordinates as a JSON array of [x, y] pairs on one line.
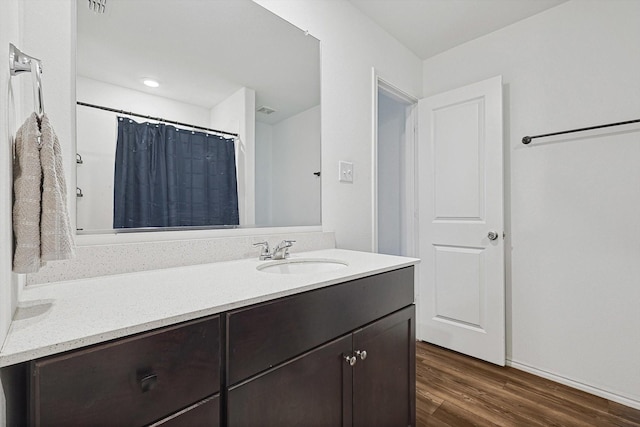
[[492, 235], [361, 354]]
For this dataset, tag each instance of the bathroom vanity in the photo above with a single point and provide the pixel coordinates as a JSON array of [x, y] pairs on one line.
[[331, 348]]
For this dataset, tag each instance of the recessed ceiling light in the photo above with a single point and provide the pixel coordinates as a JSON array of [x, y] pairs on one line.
[[150, 83]]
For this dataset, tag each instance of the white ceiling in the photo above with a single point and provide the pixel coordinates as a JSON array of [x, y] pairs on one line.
[[201, 52], [429, 27]]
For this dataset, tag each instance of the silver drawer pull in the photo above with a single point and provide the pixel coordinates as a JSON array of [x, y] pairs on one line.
[[148, 382], [361, 354]]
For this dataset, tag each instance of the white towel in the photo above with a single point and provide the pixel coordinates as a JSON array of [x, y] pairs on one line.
[[56, 238], [27, 175], [40, 217]]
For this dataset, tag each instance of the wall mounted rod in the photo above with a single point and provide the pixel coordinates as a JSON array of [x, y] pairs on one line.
[[158, 119], [527, 139]]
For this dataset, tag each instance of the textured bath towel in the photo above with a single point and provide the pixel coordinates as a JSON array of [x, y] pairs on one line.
[[27, 176], [56, 238], [40, 217]]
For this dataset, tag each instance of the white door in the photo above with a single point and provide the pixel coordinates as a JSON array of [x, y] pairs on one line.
[[461, 296]]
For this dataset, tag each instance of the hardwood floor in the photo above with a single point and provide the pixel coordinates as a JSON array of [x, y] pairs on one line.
[[457, 391]]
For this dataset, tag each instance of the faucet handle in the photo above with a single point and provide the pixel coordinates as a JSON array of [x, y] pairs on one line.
[[264, 252], [285, 245]]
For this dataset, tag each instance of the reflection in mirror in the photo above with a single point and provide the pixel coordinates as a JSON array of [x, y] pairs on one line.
[[223, 68]]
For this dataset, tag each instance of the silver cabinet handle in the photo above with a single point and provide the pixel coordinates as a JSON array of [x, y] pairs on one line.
[[361, 354], [493, 235], [351, 360]]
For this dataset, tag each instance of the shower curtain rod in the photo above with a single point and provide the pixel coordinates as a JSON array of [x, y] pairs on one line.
[[158, 119], [527, 139]]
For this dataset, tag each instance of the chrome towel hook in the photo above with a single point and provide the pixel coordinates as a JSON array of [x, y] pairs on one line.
[[20, 62]]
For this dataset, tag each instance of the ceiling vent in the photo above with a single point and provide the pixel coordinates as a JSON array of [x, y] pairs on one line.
[[97, 6], [265, 110]]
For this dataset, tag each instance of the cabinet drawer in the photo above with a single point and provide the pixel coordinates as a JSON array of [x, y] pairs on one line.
[[203, 414], [265, 335], [129, 382]]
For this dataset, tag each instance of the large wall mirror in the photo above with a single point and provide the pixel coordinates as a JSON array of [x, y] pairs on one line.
[[150, 158]]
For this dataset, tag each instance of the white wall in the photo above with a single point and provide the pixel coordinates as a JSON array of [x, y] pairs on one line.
[[237, 114], [573, 205], [264, 186], [139, 101], [350, 46], [97, 134], [287, 155], [296, 156]]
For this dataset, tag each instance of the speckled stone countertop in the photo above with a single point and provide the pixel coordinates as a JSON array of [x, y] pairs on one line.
[[62, 316]]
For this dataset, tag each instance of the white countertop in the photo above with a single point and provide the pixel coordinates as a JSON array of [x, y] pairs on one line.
[[62, 316]]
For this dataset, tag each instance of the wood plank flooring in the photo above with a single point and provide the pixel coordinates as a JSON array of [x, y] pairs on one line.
[[458, 391]]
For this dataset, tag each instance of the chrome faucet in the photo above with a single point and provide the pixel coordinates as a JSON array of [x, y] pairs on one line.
[[264, 253], [281, 251]]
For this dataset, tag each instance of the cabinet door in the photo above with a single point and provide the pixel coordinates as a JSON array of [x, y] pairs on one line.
[[384, 380], [313, 389]]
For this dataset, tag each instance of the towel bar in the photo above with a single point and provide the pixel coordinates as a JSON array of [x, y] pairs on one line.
[[20, 62]]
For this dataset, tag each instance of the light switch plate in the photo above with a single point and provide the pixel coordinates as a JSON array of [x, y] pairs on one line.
[[345, 171]]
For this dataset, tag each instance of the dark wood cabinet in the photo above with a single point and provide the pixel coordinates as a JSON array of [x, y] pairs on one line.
[[264, 335], [128, 382], [364, 379], [305, 391], [343, 355], [203, 414], [339, 356], [384, 374]]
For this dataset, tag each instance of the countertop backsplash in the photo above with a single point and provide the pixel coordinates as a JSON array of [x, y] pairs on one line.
[[104, 260]]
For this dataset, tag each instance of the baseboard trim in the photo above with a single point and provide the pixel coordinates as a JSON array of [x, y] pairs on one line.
[[632, 403]]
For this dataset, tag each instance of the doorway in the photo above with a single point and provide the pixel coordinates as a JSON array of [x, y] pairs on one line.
[[394, 163], [452, 176]]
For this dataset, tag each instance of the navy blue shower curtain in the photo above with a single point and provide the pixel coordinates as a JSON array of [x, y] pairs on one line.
[[170, 177]]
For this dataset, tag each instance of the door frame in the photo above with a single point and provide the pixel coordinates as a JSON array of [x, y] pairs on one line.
[[410, 213]]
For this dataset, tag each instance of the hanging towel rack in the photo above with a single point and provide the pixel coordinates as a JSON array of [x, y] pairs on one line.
[[20, 62], [527, 139], [157, 119]]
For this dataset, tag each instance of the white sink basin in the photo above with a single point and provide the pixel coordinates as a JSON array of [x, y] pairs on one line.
[[301, 266]]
